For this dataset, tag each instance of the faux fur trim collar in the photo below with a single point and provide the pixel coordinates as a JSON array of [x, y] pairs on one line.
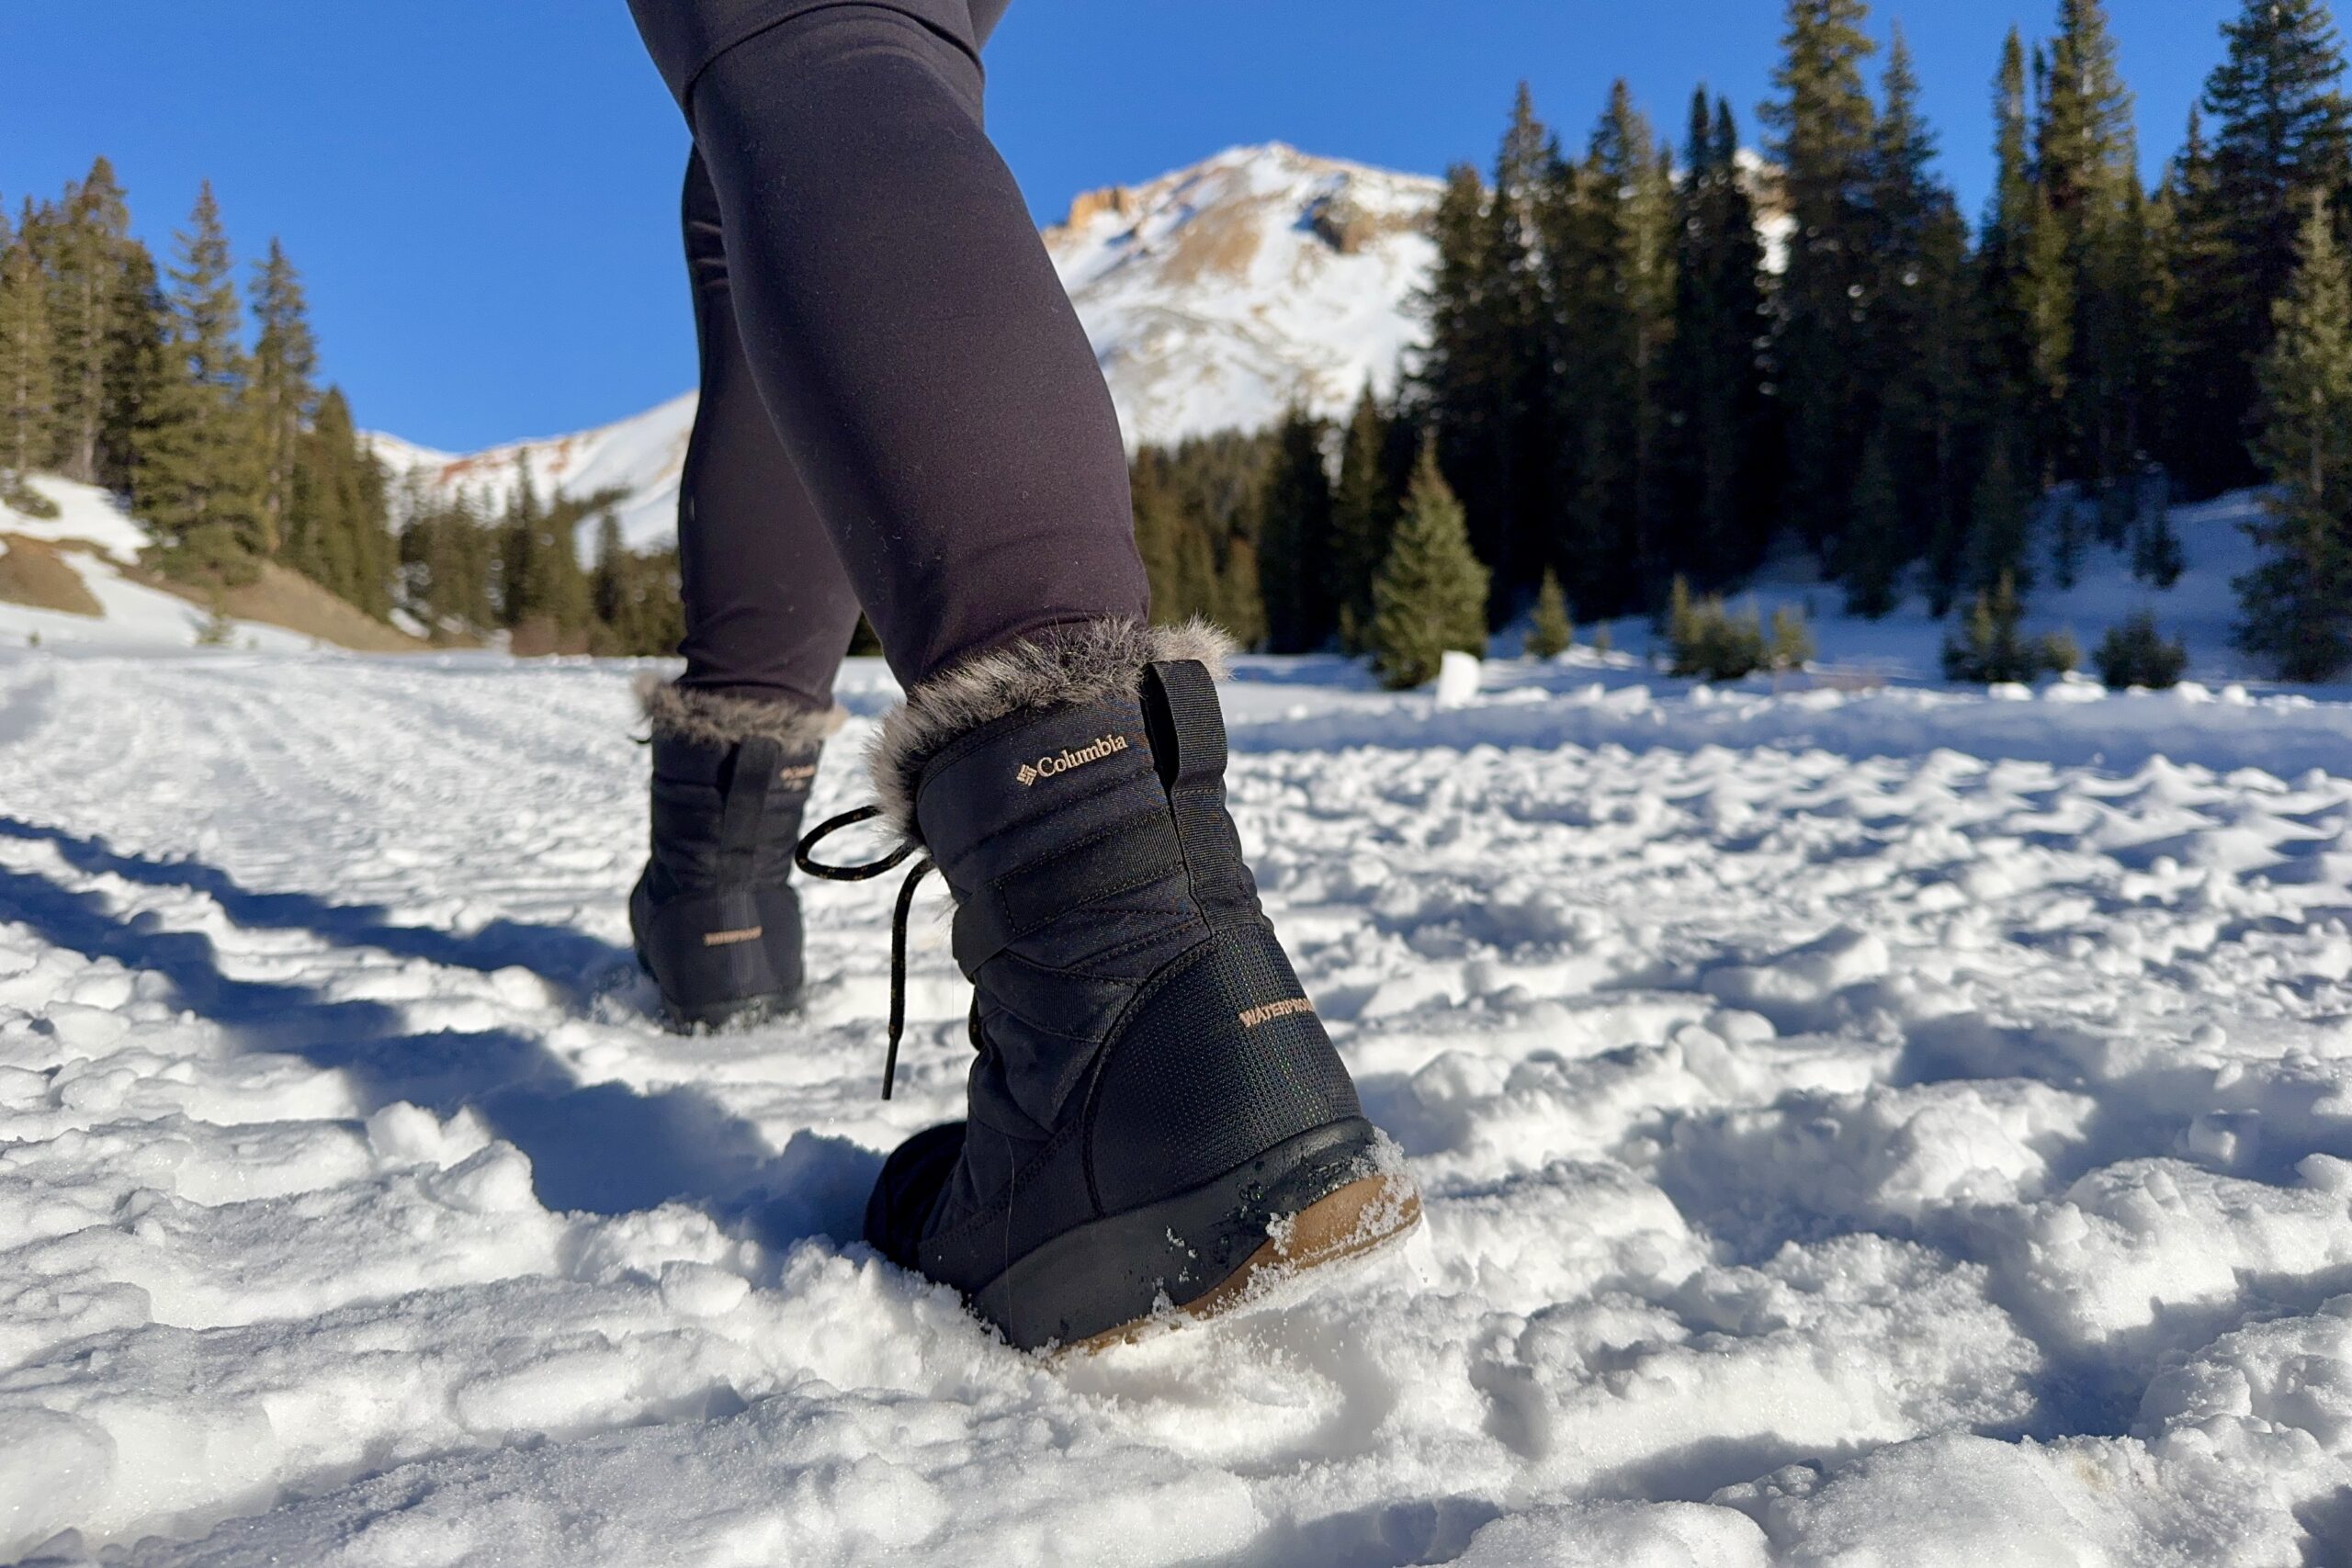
[[1060, 667], [709, 719]]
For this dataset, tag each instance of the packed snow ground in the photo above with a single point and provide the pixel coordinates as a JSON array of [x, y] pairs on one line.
[[1886, 1127]]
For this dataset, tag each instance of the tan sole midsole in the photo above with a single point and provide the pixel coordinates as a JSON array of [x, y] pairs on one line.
[[1364, 1215]]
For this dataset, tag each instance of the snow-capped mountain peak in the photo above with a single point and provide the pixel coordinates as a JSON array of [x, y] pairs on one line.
[[1219, 294], [1216, 295]]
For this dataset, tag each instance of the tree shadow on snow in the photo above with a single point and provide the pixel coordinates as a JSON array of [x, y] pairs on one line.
[[573, 961], [600, 1148]]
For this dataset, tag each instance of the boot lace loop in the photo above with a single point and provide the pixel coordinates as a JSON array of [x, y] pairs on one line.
[[866, 873]]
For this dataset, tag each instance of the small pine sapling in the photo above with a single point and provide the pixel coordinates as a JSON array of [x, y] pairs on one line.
[[1552, 631], [2137, 654]]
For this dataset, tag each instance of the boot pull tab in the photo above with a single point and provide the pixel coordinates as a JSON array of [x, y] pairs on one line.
[[1187, 730], [1186, 727], [751, 772]]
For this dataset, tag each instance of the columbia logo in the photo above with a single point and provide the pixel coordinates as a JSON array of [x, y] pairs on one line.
[[1051, 767], [1287, 1008], [798, 776]]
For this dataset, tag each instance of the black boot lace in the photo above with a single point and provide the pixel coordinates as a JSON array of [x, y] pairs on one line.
[[866, 873]]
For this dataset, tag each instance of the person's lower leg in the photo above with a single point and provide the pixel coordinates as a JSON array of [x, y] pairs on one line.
[[910, 340], [768, 609], [735, 740], [1151, 1084]]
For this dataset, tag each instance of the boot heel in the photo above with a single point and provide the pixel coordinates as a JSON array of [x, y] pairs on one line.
[[1312, 1199], [1365, 1215]]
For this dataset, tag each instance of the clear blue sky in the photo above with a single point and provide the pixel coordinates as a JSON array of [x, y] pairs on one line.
[[481, 192]]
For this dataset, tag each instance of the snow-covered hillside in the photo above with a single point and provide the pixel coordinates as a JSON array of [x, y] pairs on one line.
[[1888, 1127], [639, 457], [1214, 296], [97, 542], [1217, 296]]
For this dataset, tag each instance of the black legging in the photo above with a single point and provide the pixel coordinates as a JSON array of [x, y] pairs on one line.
[[900, 410]]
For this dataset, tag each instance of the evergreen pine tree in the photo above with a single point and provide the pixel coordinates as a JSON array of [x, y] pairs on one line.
[[1921, 344], [1159, 524], [610, 587], [2156, 557], [280, 393], [2000, 529], [659, 625], [337, 528], [1713, 389], [2137, 654], [2281, 134], [558, 585], [1530, 180], [2087, 164], [1619, 288], [2005, 265], [2298, 603], [88, 298], [1825, 138], [2084, 141], [1196, 509], [1791, 645], [1989, 647], [1295, 559], [448, 565], [1551, 632], [2050, 329], [1711, 643], [197, 481], [1875, 547], [1466, 364], [28, 407], [2199, 433], [1197, 590], [1241, 596], [1431, 593], [136, 366], [520, 579], [1363, 510]]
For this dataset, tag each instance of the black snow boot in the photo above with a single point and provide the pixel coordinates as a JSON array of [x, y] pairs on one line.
[[716, 921], [1157, 1119]]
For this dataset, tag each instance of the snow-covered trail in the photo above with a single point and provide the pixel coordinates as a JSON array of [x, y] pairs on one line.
[[1858, 1129]]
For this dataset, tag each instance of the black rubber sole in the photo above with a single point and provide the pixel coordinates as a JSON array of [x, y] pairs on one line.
[[1199, 1251]]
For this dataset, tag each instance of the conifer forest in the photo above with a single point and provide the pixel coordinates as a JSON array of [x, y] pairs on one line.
[[1655, 356], [1661, 356], [199, 402]]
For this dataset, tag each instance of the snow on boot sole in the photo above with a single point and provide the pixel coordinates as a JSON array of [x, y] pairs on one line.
[[1366, 1217]]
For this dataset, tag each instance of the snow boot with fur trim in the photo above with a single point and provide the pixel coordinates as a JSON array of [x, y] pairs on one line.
[[716, 921], [1158, 1124]]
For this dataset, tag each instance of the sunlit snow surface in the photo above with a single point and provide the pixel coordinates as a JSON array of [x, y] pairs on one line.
[[1858, 1128]]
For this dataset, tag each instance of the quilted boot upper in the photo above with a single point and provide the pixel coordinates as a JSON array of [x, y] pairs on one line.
[[715, 915], [1139, 1031]]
